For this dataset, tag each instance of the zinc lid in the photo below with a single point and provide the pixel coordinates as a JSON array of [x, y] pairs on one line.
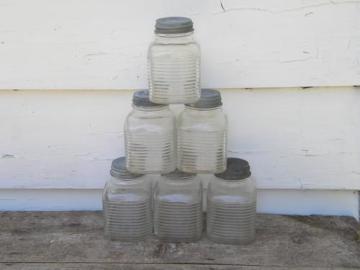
[[141, 98], [209, 98], [118, 170], [173, 25], [237, 169]]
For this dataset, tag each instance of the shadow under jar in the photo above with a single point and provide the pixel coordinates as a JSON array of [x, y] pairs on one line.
[[231, 204], [127, 204], [150, 136], [202, 135], [178, 208], [174, 62]]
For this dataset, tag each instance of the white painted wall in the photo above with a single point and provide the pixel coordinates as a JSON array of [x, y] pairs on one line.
[[56, 145], [304, 202], [102, 44], [294, 138]]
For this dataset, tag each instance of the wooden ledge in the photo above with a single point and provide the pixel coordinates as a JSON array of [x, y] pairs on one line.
[[74, 240]]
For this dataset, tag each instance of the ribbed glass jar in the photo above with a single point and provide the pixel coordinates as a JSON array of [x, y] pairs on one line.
[[231, 204], [202, 135], [127, 204], [178, 208], [174, 62], [150, 137]]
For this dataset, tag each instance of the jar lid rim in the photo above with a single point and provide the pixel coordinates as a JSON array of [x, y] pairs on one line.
[[236, 169], [209, 98], [141, 98], [118, 170], [173, 25]]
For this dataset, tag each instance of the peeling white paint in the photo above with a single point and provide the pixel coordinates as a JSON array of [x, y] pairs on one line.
[[6, 156], [95, 44], [294, 138]]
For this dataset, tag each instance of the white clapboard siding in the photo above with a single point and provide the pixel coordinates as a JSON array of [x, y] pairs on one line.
[[294, 138], [102, 44], [294, 202]]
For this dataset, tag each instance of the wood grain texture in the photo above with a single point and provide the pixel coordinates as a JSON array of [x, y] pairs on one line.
[[95, 44], [117, 266], [294, 138], [77, 237]]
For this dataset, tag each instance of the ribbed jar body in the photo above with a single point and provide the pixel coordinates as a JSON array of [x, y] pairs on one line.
[[150, 140], [178, 209], [202, 140], [174, 69], [231, 210], [127, 206]]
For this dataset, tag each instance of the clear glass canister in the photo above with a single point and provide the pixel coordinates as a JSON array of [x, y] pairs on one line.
[[231, 204], [178, 207], [202, 135], [127, 204], [174, 62], [150, 136]]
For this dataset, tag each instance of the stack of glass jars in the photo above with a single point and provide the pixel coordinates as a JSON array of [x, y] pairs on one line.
[[174, 152]]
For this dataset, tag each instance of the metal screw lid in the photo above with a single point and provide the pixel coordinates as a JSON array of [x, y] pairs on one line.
[[173, 25], [179, 175], [141, 98], [237, 169], [118, 170], [210, 98]]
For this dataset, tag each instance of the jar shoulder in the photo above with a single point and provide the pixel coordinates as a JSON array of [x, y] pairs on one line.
[[232, 187], [127, 190], [212, 119], [164, 118], [176, 192], [179, 185], [155, 114], [179, 40], [141, 182], [158, 49]]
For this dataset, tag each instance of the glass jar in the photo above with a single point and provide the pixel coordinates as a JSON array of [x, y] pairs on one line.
[[231, 204], [127, 204], [174, 62], [150, 136], [178, 207], [202, 135]]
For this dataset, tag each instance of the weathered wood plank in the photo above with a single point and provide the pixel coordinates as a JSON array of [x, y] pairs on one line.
[[77, 237], [117, 266]]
